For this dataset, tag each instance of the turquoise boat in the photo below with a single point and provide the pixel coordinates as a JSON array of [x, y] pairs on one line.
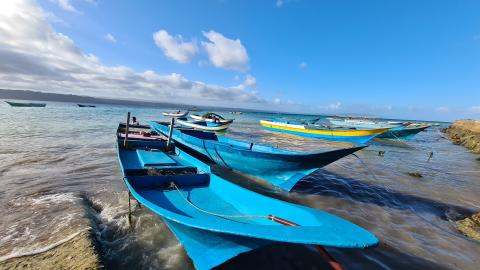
[[279, 167], [403, 132], [214, 219], [352, 135]]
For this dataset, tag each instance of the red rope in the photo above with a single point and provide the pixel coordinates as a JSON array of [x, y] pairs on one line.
[[333, 263]]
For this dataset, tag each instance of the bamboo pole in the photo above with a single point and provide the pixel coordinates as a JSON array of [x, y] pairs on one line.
[[125, 141], [169, 140]]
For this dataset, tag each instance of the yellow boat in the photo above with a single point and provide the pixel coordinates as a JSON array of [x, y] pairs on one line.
[[322, 132]]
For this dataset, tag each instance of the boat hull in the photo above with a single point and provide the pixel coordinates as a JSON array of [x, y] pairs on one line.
[[353, 135], [170, 114], [214, 219], [279, 167], [202, 125], [19, 104], [402, 132], [201, 118], [371, 125]]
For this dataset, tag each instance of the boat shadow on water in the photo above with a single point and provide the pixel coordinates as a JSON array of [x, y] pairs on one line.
[[302, 257], [326, 183]]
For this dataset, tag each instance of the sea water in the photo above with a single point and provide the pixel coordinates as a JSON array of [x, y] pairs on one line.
[[59, 175]]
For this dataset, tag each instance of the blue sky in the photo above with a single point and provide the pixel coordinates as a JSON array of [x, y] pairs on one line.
[[411, 59]]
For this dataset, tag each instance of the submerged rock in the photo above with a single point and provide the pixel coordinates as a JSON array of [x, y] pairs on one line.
[[466, 133], [79, 252], [470, 226], [415, 174]]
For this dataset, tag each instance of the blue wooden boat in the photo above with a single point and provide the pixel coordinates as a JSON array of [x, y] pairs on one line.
[[203, 125], [352, 135], [281, 168], [403, 132], [214, 219]]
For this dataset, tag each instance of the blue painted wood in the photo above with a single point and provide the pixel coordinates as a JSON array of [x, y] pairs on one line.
[[281, 168], [210, 239]]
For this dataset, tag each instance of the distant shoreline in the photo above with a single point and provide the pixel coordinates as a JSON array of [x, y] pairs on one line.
[[70, 98]]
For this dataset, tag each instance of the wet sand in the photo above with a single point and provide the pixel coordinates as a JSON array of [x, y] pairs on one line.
[[79, 252]]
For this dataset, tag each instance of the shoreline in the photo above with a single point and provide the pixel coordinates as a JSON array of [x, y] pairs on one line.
[[466, 133]]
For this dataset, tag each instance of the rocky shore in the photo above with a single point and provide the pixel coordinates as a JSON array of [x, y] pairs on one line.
[[466, 133], [470, 226], [79, 252]]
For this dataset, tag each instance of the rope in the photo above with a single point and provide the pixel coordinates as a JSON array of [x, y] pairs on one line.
[[172, 185]]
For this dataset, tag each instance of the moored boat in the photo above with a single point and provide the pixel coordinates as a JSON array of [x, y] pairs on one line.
[[358, 136], [403, 132], [216, 220], [86, 105], [175, 114], [279, 167], [203, 125], [211, 117], [21, 104], [362, 123]]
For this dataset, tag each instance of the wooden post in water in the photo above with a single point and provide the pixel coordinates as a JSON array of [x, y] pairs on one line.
[[125, 142], [169, 140]]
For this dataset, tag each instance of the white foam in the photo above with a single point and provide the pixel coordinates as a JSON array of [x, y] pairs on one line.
[[55, 198], [18, 254]]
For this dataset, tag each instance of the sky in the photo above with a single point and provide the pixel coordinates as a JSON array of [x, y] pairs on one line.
[[399, 59]]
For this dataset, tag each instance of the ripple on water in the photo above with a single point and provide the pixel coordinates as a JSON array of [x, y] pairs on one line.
[[59, 175]]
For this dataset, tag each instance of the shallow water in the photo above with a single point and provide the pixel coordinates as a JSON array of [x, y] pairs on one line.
[[59, 175]]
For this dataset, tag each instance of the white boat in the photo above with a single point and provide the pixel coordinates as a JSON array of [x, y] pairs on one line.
[[361, 123], [203, 125], [175, 114], [212, 118]]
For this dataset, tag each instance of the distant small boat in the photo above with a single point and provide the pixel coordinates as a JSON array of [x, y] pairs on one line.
[[359, 136], [86, 105], [216, 220], [193, 109], [211, 117], [203, 125], [238, 113], [175, 114], [20, 104]]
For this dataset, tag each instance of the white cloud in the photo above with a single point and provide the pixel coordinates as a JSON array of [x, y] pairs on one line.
[[66, 5], [474, 109], [174, 47], [226, 53], [333, 106], [110, 37], [250, 81], [303, 65], [34, 56], [442, 109]]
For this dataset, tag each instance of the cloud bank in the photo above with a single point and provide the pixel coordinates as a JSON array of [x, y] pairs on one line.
[[34, 56]]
